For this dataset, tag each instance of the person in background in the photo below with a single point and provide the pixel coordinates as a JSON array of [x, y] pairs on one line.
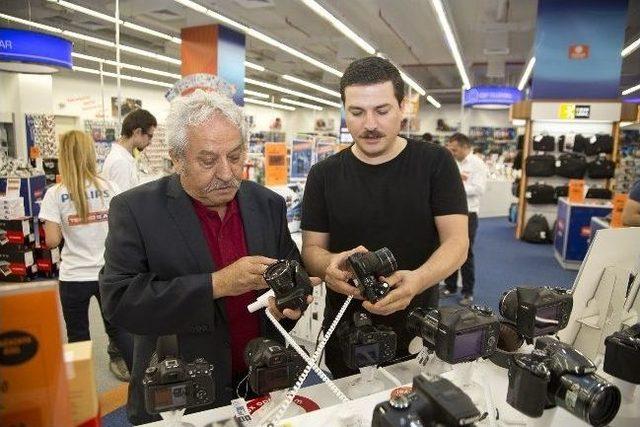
[[631, 212], [77, 209], [120, 165], [427, 137], [474, 176]]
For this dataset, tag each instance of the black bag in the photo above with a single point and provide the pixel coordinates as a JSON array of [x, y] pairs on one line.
[[601, 168], [517, 161], [540, 194], [571, 166], [537, 230], [544, 143], [599, 193], [515, 188], [561, 191], [601, 143], [561, 140], [520, 143], [541, 165], [579, 144]]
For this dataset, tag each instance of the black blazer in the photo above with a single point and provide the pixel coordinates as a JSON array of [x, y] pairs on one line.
[[157, 276]]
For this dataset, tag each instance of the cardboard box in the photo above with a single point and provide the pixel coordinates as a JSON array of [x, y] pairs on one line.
[[16, 231], [48, 261], [31, 189], [17, 264], [83, 395], [32, 370]]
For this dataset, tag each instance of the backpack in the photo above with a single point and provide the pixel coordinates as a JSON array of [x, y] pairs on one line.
[[540, 194], [537, 230], [561, 191], [600, 143]]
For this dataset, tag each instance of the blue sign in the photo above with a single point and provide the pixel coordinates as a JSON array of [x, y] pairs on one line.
[[491, 95], [231, 55], [34, 48]]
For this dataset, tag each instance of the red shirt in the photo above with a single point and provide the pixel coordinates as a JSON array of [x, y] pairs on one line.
[[226, 242]]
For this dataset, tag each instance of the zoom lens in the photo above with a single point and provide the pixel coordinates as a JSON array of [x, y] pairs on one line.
[[385, 263], [508, 305], [424, 324], [589, 397], [278, 277]]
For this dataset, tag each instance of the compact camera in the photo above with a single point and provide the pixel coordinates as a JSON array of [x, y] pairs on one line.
[[172, 384], [290, 283], [623, 353], [364, 344], [537, 311], [456, 334], [435, 401], [557, 374], [368, 266], [271, 365]]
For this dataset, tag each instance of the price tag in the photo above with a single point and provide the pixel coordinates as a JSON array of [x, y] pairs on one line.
[[576, 190], [241, 412]]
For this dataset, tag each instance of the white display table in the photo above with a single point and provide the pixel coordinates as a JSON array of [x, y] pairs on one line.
[[497, 198]]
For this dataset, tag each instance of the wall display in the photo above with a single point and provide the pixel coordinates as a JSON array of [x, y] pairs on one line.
[[325, 147], [302, 157], [153, 158], [41, 133], [628, 170], [127, 105], [104, 132], [324, 125]]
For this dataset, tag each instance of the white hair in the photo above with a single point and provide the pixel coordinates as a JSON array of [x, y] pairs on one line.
[[195, 109]]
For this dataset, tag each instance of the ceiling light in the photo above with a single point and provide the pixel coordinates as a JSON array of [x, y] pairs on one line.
[[311, 85], [415, 86], [149, 31], [633, 46], [123, 77], [256, 93], [631, 90], [125, 65], [153, 55], [301, 104], [451, 41], [340, 26], [433, 101], [31, 23], [254, 66], [527, 73], [87, 38], [291, 92], [269, 104]]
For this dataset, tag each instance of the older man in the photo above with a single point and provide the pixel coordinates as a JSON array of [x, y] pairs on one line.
[[185, 254]]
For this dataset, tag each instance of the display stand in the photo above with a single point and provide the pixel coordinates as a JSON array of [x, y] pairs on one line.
[[271, 405], [174, 419], [365, 384]]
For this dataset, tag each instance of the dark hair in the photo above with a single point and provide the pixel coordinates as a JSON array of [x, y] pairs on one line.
[[372, 70], [427, 137], [137, 119], [461, 139]]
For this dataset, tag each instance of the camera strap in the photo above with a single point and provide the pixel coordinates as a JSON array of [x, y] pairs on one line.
[[167, 346]]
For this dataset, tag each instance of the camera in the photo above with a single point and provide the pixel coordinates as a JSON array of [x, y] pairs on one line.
[[172, 384], [537, 311], [368, 266], [364, 344], [623, 353], [456, 334], [557, 374], [271, 365], [434, 401], [290, 283]]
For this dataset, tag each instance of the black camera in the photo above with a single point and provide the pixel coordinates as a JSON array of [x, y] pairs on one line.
[[557, 374], [456, 334], [271, 365], [623, 353], [172, 384], [435, 401], [537, 311], [364, 344], [368, 266], [290, 283]]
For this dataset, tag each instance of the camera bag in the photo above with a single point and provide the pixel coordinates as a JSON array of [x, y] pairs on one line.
[[537, 230], [541, 165], [571, 166], [544, 143], [540, 194], [601, 168]]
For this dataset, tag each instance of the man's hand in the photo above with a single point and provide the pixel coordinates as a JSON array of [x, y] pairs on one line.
[[405, 285], [287, 312], [242, 276], [338, 273]]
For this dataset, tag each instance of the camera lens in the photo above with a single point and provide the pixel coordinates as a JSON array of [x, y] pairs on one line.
[[278, 277], [424, 324], [509, 305], [386, 263], [588, 397]]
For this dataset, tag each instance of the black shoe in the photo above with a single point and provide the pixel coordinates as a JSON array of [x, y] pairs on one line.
[[119, 369]]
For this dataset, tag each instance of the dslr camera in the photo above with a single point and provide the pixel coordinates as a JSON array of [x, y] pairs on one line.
[[290, 284], [557, 374], [364, 344], [368, 266], [435, 401], [271, 365], [456, 334], [623, 353], [171, 384], [537, 311]]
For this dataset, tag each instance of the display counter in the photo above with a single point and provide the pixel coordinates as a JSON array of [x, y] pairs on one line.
[[497, 198]]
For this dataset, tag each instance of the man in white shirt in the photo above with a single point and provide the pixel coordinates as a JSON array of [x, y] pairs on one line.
[[120, 165], [474, 177]]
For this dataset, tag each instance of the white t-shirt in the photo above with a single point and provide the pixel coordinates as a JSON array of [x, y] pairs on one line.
[[83, 251], [121, 167]]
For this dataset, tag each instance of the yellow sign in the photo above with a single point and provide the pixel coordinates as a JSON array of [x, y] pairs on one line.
[[567, 111]]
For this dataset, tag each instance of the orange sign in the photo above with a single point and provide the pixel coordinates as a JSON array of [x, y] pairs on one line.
[[619, 201], [579, 51], [275, 163], [34, 152], [576, 190]]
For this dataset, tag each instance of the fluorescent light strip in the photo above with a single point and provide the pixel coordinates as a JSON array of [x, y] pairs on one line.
[[291, 92], [269, 104], [631, 89], [301, 104], [451, 41], [31, 23], [433, 101], [123, 76], [254, 66], [340, 26], [415, 86], [527, 73], [256, 93], [311, 85], [258, 35], [125, 65], [632, 47]]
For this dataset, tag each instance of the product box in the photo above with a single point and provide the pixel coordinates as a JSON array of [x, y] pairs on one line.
[[31, 189], [48, 261], [83, 397], [51, 171], [32, 371], [16, 231], [17, 264], [11, 208]]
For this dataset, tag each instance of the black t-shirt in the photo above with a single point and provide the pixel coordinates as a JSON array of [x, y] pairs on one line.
[[393, 204]]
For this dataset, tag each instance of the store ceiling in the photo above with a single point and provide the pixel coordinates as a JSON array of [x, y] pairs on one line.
[[495, 36]]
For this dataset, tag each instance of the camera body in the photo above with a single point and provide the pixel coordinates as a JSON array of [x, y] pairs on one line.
[[557, 374], [456, 334], [434, 401], [623, 353], [364, 344], [290, 283], [537, 311], [172, 384], [368, 266], [271, 365]]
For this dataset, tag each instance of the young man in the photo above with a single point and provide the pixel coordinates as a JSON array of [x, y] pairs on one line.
[[474, 176], [120, 165], [383, 191]]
